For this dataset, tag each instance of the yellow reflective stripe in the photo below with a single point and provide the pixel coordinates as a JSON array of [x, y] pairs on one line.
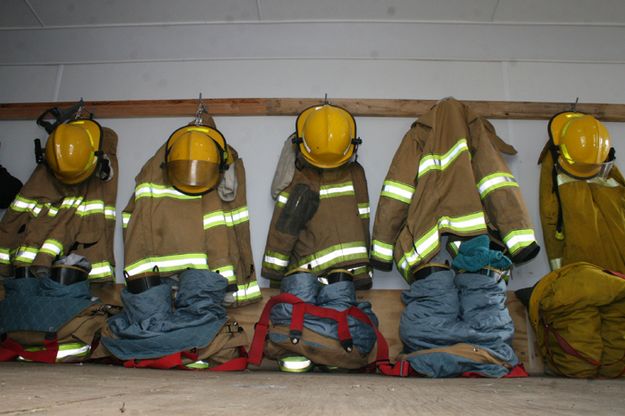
[[26, 254], [169, 263], [71, 202], [442, 162], [90, 207], [125, 219], [282, 199], [152, 190], [555, 263], [382, 250], [275, 260], [110, 213], [227, 271], [101, 270], [237, 216], [335, 190], [519, 239], [248, 292], [454, 246], [52, 247], [429, 242], [5, 256], [495, 181], [335, 254], [364, 210], [397, 190], [21, 204], [214, 219], [52, 210]]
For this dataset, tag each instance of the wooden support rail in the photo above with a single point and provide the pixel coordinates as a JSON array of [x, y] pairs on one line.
[[372, 107]]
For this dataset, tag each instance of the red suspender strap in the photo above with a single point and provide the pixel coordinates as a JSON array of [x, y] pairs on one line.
[[260, 329], [10, 349], [164, 363], [400, 368]]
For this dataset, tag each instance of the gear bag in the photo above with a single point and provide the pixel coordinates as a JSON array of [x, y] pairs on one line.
[[342, 334], [578, 314]]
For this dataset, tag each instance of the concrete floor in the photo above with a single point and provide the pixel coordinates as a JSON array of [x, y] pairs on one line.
[[27, 388]]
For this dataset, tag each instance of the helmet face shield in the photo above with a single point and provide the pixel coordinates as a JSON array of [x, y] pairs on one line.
[[195, 159], [192, 176]]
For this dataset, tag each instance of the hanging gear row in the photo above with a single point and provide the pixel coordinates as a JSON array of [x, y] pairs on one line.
[[441, 188]]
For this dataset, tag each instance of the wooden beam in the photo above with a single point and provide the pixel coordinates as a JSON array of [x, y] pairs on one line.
[[370, 107]]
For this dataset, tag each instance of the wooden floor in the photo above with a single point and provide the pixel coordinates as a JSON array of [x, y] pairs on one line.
[[27, 388]]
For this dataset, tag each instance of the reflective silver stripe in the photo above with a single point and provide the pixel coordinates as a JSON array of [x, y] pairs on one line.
[[555, 263], [26, 254], [125, 219], [364, 210], [276, 261], [382, 250], [100, 270], [398, 191], [214, 219], [21, 204], [90, 207], [442, 162], [168, 263], [227, 272], [518, 239], [495, 181], [110, 213], [52, 247], [68, 352], [237, 216], [327, 191], [160, 191], [251, 291], [342, 252], [282, 199], [5, 257]]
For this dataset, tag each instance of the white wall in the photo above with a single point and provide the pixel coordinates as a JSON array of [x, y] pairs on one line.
[[537, 62]]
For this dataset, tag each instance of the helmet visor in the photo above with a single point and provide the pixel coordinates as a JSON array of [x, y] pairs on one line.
[[193, 176]]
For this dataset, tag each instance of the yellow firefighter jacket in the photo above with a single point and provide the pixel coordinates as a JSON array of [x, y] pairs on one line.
[[448, 178], [49, 219], [335, 237], [172, 231], [593, 218]]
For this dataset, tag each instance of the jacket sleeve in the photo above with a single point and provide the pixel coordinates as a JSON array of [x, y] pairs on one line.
[[279, 244], [362, 198], [500, 192], [397, 192], [549, 213], [236, 215], [16, 218]]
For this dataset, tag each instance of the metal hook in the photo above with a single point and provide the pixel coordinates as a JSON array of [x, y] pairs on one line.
[[325, 99], [201, 109], [81, 108], [574, 105]]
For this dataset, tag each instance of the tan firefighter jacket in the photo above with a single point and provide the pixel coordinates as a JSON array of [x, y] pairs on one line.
[[335, 237], [448, 178], [172, 231], [49, 219], [593, 218]]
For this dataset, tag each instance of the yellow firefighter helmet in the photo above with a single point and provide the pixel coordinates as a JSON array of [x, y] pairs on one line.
[[72, 150], [195, 158], [326, 135], [583, 143]]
